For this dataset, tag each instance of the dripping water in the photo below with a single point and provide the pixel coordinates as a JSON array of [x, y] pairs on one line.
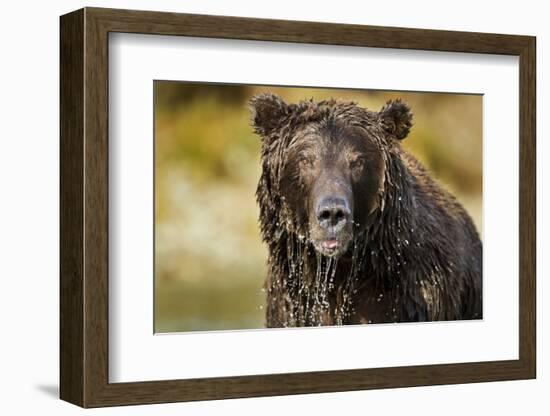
[[315, 297]]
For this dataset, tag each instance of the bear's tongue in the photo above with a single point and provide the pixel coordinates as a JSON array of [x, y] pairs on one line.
[[330, 244]]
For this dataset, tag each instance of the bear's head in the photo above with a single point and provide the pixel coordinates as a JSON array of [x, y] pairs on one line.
[[324, 166]]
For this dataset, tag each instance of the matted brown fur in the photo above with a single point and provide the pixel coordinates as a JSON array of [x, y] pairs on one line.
[[413, 252]]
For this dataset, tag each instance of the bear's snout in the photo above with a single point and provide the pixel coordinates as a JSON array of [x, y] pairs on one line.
[[333, 213]]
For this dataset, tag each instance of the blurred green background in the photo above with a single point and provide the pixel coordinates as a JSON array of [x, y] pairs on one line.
[[209, 259]]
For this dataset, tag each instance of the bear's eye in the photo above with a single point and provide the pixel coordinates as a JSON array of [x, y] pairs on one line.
[[306, 160], [357, 164]]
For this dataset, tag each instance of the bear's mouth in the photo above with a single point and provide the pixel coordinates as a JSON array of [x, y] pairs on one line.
[[329, 241], [331, 247]]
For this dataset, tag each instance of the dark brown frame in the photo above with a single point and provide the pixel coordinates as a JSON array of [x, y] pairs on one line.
[[84, 207]]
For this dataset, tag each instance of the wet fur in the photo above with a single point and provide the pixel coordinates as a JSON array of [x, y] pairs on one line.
[[417, 257]]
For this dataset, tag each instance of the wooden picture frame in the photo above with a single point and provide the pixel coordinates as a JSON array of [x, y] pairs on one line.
[[84, 207]]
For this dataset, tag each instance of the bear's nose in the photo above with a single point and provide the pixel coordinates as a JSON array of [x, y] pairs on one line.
[[333, 212]]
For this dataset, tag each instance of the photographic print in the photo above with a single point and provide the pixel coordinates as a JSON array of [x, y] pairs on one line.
[[304, 192], [287, 207]]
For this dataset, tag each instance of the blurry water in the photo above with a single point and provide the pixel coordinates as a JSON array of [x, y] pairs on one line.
[[185, 306]]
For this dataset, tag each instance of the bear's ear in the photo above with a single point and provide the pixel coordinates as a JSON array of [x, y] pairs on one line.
[[267, 111], [396, 118]]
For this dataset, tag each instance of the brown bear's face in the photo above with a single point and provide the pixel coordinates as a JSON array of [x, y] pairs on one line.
[[330, 181], [327, 160]]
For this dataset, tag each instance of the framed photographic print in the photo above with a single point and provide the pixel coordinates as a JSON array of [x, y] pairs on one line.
[[256, 207]]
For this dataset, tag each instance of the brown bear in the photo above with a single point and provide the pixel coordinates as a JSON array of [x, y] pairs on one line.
[[356, 228]]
